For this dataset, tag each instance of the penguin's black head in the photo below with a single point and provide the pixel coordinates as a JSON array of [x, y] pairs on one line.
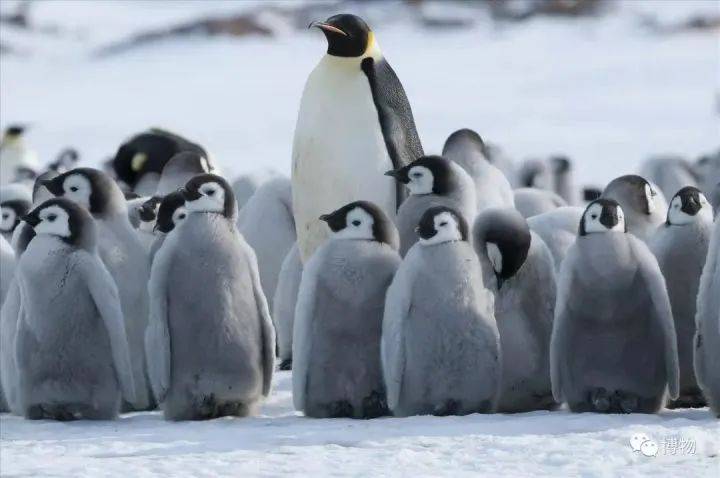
[[441, 224], [462, 139], [534, 174], [14, 130], [171, 212], [560, 164], [12, 212], [687, 206], [428, 175], [361, 220], [347, 35], [602, 215], [148, 210], [210, 193], [503, 235], [91, 188], [632, 192], [63, 219], [66, 160]]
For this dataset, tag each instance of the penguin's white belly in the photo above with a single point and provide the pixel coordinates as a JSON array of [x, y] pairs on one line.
[[339, 153]]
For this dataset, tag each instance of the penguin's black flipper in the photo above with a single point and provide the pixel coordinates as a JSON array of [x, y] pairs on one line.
[[395, 115]]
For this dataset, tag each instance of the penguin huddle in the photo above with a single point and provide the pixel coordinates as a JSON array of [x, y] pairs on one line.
[[390, 281]]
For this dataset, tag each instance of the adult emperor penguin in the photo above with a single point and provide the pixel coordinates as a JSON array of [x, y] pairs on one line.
[[432, 181], [642, 205], [354, 124], [680, 246], [284, 302], [210, 341], [707, 339], [558, 229], [268, 226], [336, 342], [15, 155], [72, 352], [519, 269], [467, 149], [613, 345], [440, 343], [15, 202], [123, 254]]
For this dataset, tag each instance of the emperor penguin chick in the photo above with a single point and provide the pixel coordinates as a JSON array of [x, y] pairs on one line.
[[336, 343], [613, 347], [432, 181], [642, 204], [210, 341], [71, 349], [440, 343]]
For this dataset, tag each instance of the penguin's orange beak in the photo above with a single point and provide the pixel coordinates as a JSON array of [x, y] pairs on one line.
[[327, 27]]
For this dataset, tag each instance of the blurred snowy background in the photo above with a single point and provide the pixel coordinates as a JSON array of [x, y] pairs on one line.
[[606, 82]]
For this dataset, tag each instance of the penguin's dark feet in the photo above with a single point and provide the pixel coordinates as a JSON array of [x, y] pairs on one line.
[[449, 407], [286, 364], [232, 409], [625, 402], [689, 398], [544, 401], [340, 409], [207, 409], [600, 400], [375, 405], [64, 413], [34, 412]]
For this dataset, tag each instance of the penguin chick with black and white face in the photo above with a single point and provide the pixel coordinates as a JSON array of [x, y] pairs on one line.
[[16, 158], [338, 324], [612, 297], [681, 246], [170, 213], [210, 341], [72, 353], [142, 212], [15, 202], [123, 253], [354, 123], [640, 202], [440, 344], [432, 181], [467, 149], [519, 269]]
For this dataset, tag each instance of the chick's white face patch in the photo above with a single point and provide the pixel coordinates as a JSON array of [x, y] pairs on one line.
[[212, 199], [54, 221], [77, 188], [179, 215], [593, 224], [9, 216], [421, 180], [447, 229], [358, 225]]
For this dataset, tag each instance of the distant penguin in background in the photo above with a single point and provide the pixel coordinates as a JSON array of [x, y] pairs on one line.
[[533, 201], [670, 173], [535, 173], [354, 123], [563, 183], [286, 294], [15, 155], [432, 181], [558, 230], [714, 199], [15, 202], [210, 341], [245, 186], [680, 246], [519, 269], [336, 343], [707, 169], [268, 226], [143, 216], [7, 271], [492, 188], [440, 343], [641, 204], [71, 350], [502, 161], [180, 169], [613, 347], [123, 254], [707, 338]]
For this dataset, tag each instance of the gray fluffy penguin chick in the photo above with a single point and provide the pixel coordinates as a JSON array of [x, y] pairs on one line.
[[210, 341], [642, 205], [72, 353], [502, 161], [519, 269], [170, 213], [269, 228], [707, 167], [336, 343], [563, 182], [440, 343], [245, 186], [707, 338], [670, 173], [145, 211], [680, 246], [284, 302], [613, 347], [492, 188], [432, 181], [180, 169], [7, 269], [533, 201], [558, 230], [124, 256], [535, 173], [15, 202]]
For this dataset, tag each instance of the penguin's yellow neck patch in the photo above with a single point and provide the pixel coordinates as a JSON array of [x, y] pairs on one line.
[[372, 50], [11, 139]]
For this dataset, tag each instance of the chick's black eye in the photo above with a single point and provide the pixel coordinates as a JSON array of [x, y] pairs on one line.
[[356, 223], [5, 216], [51, 217], [594, 216], [443, 224], [73, 189], [211, 192]]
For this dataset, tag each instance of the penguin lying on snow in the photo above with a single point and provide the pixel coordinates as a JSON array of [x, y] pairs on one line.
[[432, 181], [613, 344], [642, 204], [354, 124], [71, 349], [336, 343], [680, 246], [440, 343], [519, 269], [210, 342], [284, 302]]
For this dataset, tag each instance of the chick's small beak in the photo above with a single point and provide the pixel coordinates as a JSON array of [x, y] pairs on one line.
[[325, 217], [32, 219], [327, 27], [392, 173]]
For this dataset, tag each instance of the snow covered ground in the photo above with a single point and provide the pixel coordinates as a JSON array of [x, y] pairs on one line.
[[605, 91]]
